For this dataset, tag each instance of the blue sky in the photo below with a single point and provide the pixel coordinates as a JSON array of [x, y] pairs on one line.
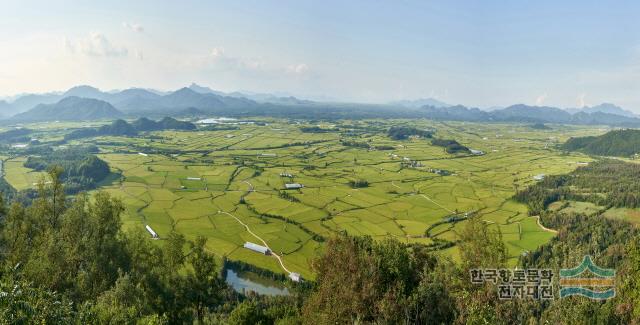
[[477, 53]]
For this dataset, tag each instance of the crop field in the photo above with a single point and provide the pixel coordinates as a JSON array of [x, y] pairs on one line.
[[221, 184], [20, 177]]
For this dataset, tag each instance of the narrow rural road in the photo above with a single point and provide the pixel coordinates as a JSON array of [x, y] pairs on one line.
[[250, 186], [543, 227], [260, 239], [436, 203]]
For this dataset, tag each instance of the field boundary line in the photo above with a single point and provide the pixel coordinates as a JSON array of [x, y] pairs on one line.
[[436, 203]]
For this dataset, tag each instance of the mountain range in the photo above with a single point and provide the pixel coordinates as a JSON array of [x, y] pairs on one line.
[[531, 114], [86, 102], [70, 109]]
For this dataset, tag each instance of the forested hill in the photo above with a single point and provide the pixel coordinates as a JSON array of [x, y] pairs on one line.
[[606, 183], [123, 128], [621, 143], [70, 109]]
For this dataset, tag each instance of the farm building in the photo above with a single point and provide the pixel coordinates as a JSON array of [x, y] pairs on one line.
[[539, 177], [142, 154], [295, 277], [268, 155], [286, 175], [293, 186], [194, 178], [154, 235], [476, 152], [257, 248]]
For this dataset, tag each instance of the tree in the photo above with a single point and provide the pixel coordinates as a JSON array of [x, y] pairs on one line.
[[481, 245], [204, 287], [360, 280], [246, 313]]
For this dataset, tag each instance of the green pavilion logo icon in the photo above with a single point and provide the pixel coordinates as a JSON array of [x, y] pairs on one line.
[[599, 286]]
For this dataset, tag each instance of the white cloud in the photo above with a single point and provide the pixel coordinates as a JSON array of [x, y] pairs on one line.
[[540, 99], [299, 68], [217, 52], [95, 45], [580, 100], [133, 26], [139, 55], [220, 58]]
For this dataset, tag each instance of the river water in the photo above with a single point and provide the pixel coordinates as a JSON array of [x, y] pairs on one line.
[[247, 281]]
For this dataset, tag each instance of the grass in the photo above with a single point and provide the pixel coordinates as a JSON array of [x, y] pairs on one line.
[[20, 177]]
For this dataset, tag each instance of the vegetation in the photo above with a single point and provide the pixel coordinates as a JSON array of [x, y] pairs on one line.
[[82, 170], [317, 129], [123, 128], [403, 133], [606, 183], [622, 143], [540, 126], [16, 135], [360, 183], [88, 258], [450, 146]]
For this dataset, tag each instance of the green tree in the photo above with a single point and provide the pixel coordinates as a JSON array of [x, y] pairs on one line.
[[204, 287], [481, 245]]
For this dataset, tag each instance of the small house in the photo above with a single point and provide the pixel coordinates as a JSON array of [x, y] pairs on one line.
[[295, 277], [154, 235], [293, 186], [257, 248], [538, 177]]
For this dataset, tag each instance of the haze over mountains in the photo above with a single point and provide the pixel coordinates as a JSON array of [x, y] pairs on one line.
[[86, 102]]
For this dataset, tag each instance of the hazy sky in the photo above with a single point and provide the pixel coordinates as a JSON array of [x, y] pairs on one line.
[[477, 53]]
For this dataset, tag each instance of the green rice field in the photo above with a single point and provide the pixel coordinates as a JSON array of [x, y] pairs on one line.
[[213, 183]]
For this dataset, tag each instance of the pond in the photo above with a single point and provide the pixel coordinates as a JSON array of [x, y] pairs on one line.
[[247, 281]]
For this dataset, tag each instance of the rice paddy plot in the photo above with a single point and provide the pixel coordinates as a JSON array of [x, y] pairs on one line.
[[411, 185]]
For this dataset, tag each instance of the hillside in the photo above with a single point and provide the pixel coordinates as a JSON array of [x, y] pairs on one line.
[[621, 143], [70, 109]]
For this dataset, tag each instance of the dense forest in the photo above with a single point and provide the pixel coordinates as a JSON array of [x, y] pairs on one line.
[[620, 143], [317, 129], [16, 135], [606, 183], [404, 132], [68, 260], [450, 146], [81, 169]]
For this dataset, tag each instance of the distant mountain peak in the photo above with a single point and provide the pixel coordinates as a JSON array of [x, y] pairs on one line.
[[420, 102], [70, 108], [607, 108], [203, 89]]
